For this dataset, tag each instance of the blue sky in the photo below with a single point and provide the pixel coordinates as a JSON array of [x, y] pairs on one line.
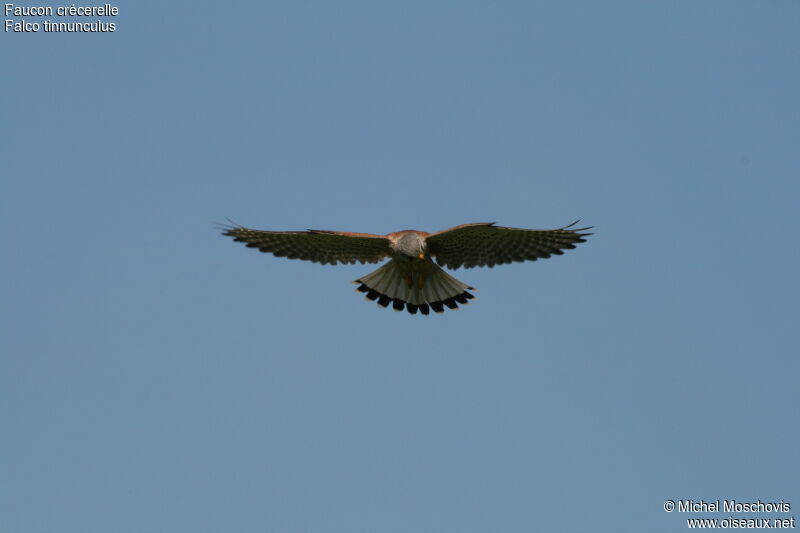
[[156, 376]]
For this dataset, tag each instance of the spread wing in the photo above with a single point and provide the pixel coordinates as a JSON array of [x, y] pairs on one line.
[[484, 244], [319, 246]]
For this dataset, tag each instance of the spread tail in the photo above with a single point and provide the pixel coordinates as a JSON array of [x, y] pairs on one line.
[[388, 285]]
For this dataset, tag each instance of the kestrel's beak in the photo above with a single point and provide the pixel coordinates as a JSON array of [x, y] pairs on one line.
[[421, 256]]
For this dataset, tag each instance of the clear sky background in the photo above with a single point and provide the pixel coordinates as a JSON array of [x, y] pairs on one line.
[[155, 376]]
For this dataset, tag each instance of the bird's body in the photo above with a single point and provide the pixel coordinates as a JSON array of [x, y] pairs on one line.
[[411, 279], [410, 251]]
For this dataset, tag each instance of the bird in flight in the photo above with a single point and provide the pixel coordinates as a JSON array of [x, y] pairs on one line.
[[411, 279]]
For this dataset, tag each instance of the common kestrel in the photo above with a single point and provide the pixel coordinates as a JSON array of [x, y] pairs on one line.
[[411, 279]]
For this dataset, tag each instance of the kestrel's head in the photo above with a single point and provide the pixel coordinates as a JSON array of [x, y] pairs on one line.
[[411, 244]]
